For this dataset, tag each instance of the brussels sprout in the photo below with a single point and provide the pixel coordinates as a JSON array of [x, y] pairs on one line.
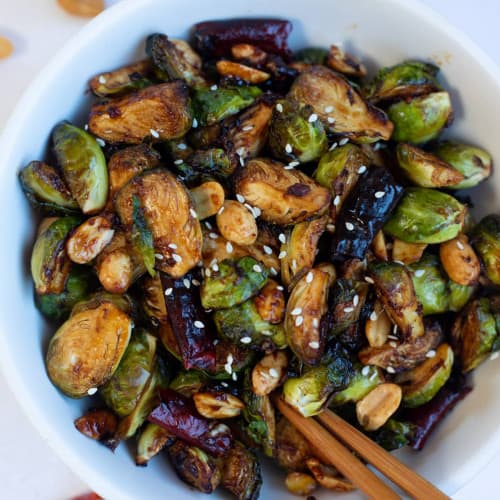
[[394, 287], [44, 188], [83, 166], [241, 473], [406, 79], [122, 80], [394, 434], [142, 237], [234, 283], [425, 169], [459, 295], [485, 238], [364, 379], [309, 392], [188, 382], [86, 350], [294, 135], [50, 265], [426, 216], [57, 306], [331, 96], [474, 163], [311, 55], [292, 448], [230, 359], [270, 302], [156, 113], [121, 301], [211, 104], [421, 119], [283, 196], [174, 59], [151, 441], [348, 297], [99, 424], [345, 63], [242, 325], [473, 333], [422, 383], [124, 388]]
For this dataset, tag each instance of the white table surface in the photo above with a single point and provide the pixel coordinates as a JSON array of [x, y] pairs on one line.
[[29, 469]]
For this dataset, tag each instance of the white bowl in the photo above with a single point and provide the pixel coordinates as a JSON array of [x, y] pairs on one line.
[[383, 32]]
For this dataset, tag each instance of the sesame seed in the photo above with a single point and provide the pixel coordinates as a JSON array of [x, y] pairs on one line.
[[376, 147], [86, 126], [181, 146], [292, 164], [369, 280], [294, 264], [494, 356], [224, 384], [419, 273], [240, 151], [273, 372], [256, 211], [173, 246], [315, 322], [240, 198], [280, 288], [273, 271], [267, 333], [195, 282], [247, 128], [208, 273], [257, 268], [246, 340], [208, 225], [92, 391], [221, 209], [193, 213], [296, 311], [328, 109], [199, 324], [333, 146], [393, 343], [158, 256], [288, 148], [349, 226], [234, 376], [213, 236], [282, 254], [176, 257], [400, 262], [460, 245], [178, 162], [362, 169], [343, 141], [313, 118], [213, 87], [379, 194], [330, 228], [215, 342], [373, 375], [242, 161], [186, 283], [330, 119], [355, 300], [390, 369], [279, 107], [309, 277], [431, 354], [395, 329], [267, 250], [228, 369], [102, 79], [299, 320], [168, 291], [336, 201], [313, 344], [100, 142], [154, 133], [215, 267], [195, 123], [373, 316], [392, 337], [365, 371], [229, 247], [282, 237], [348, 309]]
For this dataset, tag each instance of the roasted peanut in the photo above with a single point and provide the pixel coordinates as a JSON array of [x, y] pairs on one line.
[[379, 246], [236, 223], [407, 253], [268, 373], [6, 47], [270, 302], [300, 483], [251, 53], [378, 326], [82, 8], [208, 199], [460, 261], [378, 405], [217, 404], [245, 73], [328, 477]]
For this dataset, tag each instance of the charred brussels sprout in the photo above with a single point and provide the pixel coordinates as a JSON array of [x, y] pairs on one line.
[[459, 295], [212, 106], [44, 188], [426, 216], [50, 265], [142, 237], [393, 434], [485, 238], [86, 350], [294, 134], [407, 79], [188, 382], [99, 424], [125, 387], [311, 55], [292, 448], [234, 283], [473, 163], [421, 119], [151, 441], [83, 165]]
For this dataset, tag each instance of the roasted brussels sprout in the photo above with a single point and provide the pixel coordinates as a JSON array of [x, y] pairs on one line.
[[141, 236], [345, 63], [295, 133], [300, 483], [158, 113], [349, 114], [472, 162], [188, 382], [421, 119], [311, 55], [485, 238], [249, 74], [426, 216], [152, 440], [347, 300], [50, 265], [395, 290], [234, 283], [407, 253], [45, 189], [194, 466], [425, 169], [231, 359], [124, 388], [406, 79], [83, 166], [168, 212], [422, 383], [393, 435], [87, 349], [205, 164], [292, 448], [97, 423], [213, 104], [283, 196]]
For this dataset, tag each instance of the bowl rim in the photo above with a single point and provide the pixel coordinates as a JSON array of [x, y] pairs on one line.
[[94, 477]]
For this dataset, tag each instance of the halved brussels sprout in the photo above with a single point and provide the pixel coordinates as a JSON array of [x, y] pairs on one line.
[[213, 104], [425, 169], [426, 216], [393, 435], [158, 113], [141, 236], [422, 383], [50, 265], [459, 295], [421, 119], [231, 358], [205, 164], [83, 166], [485, 238], [331, 96], [151, 441], [124, 388], [394, 287], [294, 135], [234, 283], [345, 63], [407, 253], [474, 163], [86, 350], [98, 423], [45, 188], [188, 382], [406, 79], [292, 448]]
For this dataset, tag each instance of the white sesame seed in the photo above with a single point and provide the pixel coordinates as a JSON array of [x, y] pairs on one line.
[[330, 228], [158, 256], [365, 371], [376, 147], [299, 320], [392, 337], [229, 247], [234, 376], [296, 311], [215, 267], [186, 283], [362, 169], [213, 87], [328, 109], [273, 271], [208, 273], [257, 268], [195, 123], [178, 162], [330, 119], [395, 329], [430, 354], [181, 146], [267, 250], [279, 107], [333, 146], [355, 300], [494, 356], [313, 118], [460, 245], [373, 316], [100, 142], [229, 359], [336, 201], [267, 333], [213, 236], [315, 322], [273, 372], [256, 212], [247, 128], [343, 141], [195, 282], [228, 369], [390, 369], [292, 164], [92, 391], [313, 344], [193, 213], [221, 209], [282, 237], [86, 126], [294, 264], [168, 291], [199, 324], [309, 277], [349, 226], [208, 225], [242, 161], [374, 375], [224, 384], [154, 133], [369, 280], [173, 246], [240, 151], [282, 254], [215, 342], [419, 273], [379, 194], [102, 79], [393, 343], [288, 148], [280, 288], [240, 198], [400, 262], [246, 340], [176, 257], [348, 309]]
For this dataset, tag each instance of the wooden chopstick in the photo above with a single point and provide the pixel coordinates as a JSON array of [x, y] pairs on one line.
[[336, 454], [418, 487]]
